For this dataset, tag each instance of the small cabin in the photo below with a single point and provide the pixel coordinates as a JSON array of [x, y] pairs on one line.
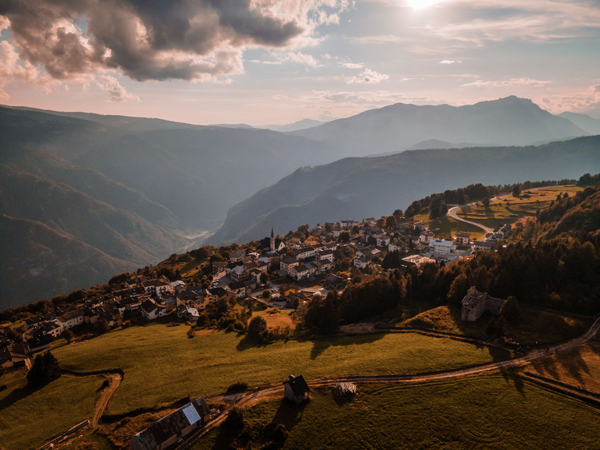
[[296, 389]]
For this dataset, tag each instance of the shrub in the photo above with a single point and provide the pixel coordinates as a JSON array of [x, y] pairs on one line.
[[240, 386], [45, 369], [235, 419]]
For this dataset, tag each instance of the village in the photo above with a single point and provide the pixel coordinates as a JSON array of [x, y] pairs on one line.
[[277, 273]]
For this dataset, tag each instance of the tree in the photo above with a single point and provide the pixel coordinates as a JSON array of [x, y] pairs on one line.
[[344, 237], [103, 326], [391, 222], [516, 190], [458, 289], [68, 335], [486, 202], [203, 320], [264, 277], [45, 369], [398, 213], [266, 294], [257, 329], [380, 223], [511, 310]]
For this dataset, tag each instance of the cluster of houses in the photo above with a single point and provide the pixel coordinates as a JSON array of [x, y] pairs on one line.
[[293, 266]]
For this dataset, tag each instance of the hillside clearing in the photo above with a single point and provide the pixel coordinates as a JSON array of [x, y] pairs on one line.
[[162, 364], [484, 412], [30, 417]]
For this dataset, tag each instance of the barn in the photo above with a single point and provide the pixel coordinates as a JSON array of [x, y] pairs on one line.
[[173, 428]]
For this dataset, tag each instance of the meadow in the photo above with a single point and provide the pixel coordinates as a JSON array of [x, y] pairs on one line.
[[578, 367], [511, 209], [162, 364], [535, 327], [491, 412], [29, 417], [447, 227]]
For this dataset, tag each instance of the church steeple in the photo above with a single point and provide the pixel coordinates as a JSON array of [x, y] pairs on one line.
[[272, 240]]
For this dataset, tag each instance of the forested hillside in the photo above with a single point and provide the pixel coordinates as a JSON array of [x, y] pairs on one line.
[[364, 187]]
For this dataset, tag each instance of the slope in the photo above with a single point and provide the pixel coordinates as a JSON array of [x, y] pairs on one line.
[[36, 258]]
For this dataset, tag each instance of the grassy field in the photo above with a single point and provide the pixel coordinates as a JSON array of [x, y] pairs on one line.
[[535, 326], [28, 418], [276, 317], [491, 412], [578, 367], [511, 209], [447, 227], [162, 364]]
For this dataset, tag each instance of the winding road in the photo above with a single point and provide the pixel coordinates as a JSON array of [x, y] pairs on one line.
[[453, 212]]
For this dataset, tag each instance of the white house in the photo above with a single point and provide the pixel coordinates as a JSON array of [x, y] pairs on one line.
[[426, 237], [286, 264], [383, 240], [441, 248], [361, 262]]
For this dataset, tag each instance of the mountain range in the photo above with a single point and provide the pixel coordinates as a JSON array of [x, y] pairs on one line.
[[354, 188], [508, 121], [120, 192]]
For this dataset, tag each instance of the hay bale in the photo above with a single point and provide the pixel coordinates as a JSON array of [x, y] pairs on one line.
[[344, 391]]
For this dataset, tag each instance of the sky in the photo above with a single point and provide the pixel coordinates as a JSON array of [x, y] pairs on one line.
[[263, 62]]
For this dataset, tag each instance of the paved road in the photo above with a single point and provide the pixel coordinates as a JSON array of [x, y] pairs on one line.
[[453, 212]]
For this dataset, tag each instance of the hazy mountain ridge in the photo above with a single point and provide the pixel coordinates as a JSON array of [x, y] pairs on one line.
[[365, 187], [507, 121], [37, 258], [583, 121]]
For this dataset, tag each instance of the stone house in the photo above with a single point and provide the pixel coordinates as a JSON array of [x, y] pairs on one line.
[[476, 303]]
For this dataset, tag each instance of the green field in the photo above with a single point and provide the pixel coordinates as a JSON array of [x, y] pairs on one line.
[[447, 227], [488, 412], [28, 418], [535, 327], [511, 209], [162, 364]]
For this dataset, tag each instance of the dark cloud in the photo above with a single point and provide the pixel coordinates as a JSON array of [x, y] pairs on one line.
[[146, 39]]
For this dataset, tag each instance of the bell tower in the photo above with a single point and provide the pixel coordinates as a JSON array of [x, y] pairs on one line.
[[272, 240]]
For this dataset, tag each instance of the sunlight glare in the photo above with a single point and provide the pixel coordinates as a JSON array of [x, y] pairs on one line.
[[420, 4]]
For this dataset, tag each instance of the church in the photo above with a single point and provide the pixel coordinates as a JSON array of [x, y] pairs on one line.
[[271, 243]]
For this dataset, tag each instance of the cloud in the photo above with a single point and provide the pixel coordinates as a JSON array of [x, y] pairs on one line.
[[369, 76], [534, 21], [352, 65], [12, 70], [299, 58], [511, 82], [447, 61], [196, 41], [116, 92], [581, 102], [326, 116]]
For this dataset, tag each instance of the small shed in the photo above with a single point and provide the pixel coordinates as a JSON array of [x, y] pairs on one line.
[[296, 389]]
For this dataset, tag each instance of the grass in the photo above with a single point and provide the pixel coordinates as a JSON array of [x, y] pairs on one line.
[[491, 412], [535, 327], [512, 209], [276, 317], [447, 227], [162, 364], [30, 417], [578, 367]]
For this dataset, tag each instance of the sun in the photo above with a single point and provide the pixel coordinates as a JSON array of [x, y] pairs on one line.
[[420, 4]]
